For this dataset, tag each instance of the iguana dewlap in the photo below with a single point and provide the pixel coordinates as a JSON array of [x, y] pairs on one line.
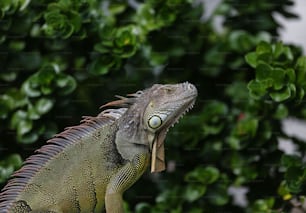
[[89, 166]]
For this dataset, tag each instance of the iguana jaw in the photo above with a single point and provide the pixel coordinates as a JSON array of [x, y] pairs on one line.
[[185, 104], [158, 151]]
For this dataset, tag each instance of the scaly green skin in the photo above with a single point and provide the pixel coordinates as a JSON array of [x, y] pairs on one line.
[[91, 165]]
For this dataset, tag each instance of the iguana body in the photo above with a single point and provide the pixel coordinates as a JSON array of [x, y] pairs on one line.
[[91, 165]]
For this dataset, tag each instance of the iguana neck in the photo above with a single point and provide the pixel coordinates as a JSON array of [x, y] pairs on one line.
[[132, 136]]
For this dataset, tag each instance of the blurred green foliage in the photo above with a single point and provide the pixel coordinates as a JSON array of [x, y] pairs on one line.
[[62, 59]]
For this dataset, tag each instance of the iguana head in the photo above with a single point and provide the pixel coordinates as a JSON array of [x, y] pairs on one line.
[[166, 104], [148, 117]]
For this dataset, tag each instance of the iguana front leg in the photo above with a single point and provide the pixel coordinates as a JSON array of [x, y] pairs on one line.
[[122, 180]]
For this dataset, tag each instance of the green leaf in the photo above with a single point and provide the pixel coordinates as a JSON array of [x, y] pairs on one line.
[[9, 165], [263, 71], [30, 88], [17, 117], [301, 71], [293, 90], [12, 100], [102, 65], [101, 48], [278, 49], [263, 205], [4, 108], [284, 191], [12, 160], [165, 16], [194, 191], [212, 129], [16, 45], [288, 53], [281, 95], [28, 138], [263, 48], [213, 111], [207, 175], [124, 37], [8, 76], [45, 75], [40, 82], [143, 208], [60, 25], [125, 41], [290, 73], [117, 8], [294, 186], [32, 113], [237, 91], [46, 89], [295, 177], [219, 196], [169, 198], [281, 112], [234, 143], [241, 41], [251, 59], [258, 89], [265, 57], [24, 126], [278, 76], [43, 105], [98, 68], [195, 210], [290, 161], [75, 20], [67, 84], [300, 93]]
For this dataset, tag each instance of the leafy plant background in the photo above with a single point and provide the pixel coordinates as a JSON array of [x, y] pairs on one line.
[[63, 59]]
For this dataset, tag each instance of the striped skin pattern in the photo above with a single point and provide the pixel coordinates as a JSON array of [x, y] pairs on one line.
[[87, 168]]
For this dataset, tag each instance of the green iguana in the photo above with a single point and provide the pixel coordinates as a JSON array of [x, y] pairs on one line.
[[90, 165]]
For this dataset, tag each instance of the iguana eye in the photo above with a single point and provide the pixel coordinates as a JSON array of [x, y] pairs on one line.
[[155, 121]]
